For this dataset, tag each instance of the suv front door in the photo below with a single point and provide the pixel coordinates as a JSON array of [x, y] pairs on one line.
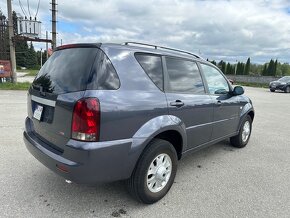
[[226, 107], [187, 99]]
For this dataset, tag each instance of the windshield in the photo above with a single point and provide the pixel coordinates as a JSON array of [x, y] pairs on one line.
[[284, 79]]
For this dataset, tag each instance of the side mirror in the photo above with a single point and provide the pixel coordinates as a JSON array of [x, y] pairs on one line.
[[238, 90]]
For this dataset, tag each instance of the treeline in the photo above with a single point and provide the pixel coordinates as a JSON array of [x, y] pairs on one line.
[[27, 57], [271, 68]]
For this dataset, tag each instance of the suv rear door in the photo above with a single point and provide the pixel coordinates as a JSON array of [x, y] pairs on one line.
[[60, 83], [187, 99]]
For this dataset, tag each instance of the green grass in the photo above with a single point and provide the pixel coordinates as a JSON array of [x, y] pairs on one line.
[[14, 86], [258, 85]]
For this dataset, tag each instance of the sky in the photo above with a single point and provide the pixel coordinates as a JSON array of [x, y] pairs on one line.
[[229, 30]]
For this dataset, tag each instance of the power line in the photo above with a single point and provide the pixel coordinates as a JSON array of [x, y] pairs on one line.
[[37, 8], [28, 8], [21, 6]]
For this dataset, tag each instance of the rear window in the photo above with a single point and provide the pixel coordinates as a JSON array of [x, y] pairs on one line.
[[152, 66], [184, 76], [75, 69]]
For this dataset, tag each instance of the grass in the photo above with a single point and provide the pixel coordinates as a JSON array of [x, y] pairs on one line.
[[14, 86], [258, 85]]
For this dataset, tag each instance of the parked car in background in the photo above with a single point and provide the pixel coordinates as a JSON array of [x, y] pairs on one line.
[[107, 112], [282, 84]]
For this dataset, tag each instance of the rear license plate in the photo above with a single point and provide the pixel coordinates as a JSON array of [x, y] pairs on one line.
[[38, 112]]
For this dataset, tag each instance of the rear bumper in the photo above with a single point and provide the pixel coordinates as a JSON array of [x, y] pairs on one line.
[[85, 163]]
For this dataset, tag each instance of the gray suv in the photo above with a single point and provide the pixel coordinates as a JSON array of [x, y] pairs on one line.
[[107, 112]]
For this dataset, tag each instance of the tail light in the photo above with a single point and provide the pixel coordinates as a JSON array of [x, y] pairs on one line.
[[86, 120]]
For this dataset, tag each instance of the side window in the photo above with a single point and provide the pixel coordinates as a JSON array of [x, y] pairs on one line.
[[104, 75], [184, 76], [152, 66], [217, 84]]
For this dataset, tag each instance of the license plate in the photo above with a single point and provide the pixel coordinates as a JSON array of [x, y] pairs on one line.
[[38, 112], [273, 86]]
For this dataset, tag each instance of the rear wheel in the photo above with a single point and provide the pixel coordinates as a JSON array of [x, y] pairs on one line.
[[242, 139], [154, 173], [272, 90], [287, 90]]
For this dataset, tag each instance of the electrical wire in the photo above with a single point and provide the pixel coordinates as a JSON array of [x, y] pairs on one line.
[[21, 6], [28, 8], [37, 8]]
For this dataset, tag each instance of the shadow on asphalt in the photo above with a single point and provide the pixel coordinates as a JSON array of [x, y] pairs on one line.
[[111, 198]]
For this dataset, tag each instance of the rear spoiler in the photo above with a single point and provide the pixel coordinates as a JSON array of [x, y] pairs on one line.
[[78, 45]]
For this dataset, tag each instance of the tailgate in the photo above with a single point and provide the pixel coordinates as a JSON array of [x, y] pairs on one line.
[[61, 82]]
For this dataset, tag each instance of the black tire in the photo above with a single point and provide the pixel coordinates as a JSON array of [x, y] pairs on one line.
[[237, 141], [287, 89], [137, 184], [272, 90]]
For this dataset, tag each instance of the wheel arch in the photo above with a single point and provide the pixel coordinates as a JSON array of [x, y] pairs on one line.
[[247, 110], [166, 127]]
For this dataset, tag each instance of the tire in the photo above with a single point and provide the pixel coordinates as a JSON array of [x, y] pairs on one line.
[[141, 184], [287, 89], [242, 139], [272, 90]]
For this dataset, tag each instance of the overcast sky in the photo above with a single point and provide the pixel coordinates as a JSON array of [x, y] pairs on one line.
[[217, 29]]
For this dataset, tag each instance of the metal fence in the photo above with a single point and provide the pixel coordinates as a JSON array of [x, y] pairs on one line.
[[252, 79]]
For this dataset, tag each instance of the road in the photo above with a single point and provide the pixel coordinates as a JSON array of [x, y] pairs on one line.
[[219, 181]]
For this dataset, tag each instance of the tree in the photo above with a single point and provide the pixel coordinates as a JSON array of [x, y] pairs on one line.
[[247, 67], [31, 57], [275, 68], [228, 69], [285, 69], [21, 49], [4, 39], [222, 66], [271, 68], [264, 71]]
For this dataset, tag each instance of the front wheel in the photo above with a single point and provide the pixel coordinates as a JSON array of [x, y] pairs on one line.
[[272, 90], [154, 173], [242, 139], [287, 90]]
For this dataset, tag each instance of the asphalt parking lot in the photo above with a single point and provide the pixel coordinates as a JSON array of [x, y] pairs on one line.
[[219, 181]]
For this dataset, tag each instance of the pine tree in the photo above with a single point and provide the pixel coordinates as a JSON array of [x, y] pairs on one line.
[[31, 57], [247, 67], [238, 68], [223, 69], [21, 49], [271, 68], [228, 69], [275, 68], [264, 71]]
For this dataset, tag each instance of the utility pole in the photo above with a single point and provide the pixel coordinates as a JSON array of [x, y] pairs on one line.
[[53, 23], [40, 57], [11, 43], [46, 45]]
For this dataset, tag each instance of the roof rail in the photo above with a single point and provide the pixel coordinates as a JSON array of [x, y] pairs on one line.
[[162, 47]]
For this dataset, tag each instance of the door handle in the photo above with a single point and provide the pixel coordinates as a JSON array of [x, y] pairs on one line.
[[177, 103]]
